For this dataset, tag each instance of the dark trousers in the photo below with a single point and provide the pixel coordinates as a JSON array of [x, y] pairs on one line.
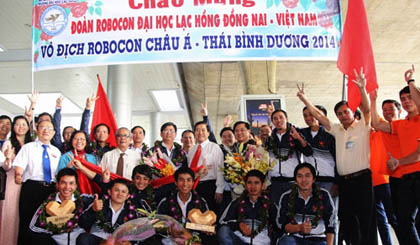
[[408, 205], [357, 210], [207, 190], [41, 238], [385, 215], [88, 239], [33, 193]]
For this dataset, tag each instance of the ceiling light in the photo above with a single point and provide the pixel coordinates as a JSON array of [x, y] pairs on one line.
[[2, 48], [166, 100], [45, 103]]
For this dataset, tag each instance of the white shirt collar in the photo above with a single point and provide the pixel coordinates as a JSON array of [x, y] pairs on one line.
[[57, 197], [183, 206], [204, 143]]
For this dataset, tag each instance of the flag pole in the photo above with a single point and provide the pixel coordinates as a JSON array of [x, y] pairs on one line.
[[344, 89]]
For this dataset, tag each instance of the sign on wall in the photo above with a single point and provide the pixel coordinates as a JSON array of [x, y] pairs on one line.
[[71, 33]]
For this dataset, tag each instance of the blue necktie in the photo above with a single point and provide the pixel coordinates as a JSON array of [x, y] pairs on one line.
[[46, 165]]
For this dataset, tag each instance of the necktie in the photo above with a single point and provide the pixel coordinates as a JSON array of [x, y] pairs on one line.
[[197, 154], [120, 166], [46, 164]]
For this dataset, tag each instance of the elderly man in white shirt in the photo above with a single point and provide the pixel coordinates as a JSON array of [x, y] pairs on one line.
[[210, 156], [35, 166], [121, 160]]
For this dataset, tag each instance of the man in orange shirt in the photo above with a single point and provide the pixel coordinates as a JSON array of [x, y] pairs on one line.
[[408, 133], [383, 185]]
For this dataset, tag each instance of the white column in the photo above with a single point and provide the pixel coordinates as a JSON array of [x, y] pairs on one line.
[[154, 126], [119, 91]]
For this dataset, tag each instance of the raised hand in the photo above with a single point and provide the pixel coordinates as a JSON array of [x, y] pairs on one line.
[[301, 91], [360, 78], [392, 163], [28, 113], [59, 102], [270, 108], [203, 110], [409, 74], [227, 121], [90, 101], [97, 204], [9, 153], [33, 97]]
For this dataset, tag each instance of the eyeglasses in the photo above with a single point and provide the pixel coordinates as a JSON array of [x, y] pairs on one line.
[[123, 135], [79, 139], [168, 131], [46, 128]]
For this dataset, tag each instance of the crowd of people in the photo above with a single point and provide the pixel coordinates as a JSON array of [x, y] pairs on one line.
[[331, 182]]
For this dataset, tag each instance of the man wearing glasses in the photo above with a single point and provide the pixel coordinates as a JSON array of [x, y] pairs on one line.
[[36, 165], [121, 160]]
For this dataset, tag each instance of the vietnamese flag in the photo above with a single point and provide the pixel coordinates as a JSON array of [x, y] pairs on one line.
[[103, 114], [356, 52]]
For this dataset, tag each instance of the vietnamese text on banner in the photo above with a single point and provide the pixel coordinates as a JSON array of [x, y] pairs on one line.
[[72, 33]]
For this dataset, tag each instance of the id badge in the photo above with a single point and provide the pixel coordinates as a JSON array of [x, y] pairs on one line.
[[349, 145]]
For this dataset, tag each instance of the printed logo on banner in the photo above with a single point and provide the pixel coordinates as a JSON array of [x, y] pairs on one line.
[[53, 20]]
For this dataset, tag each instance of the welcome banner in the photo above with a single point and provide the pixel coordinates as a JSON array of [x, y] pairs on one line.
[[72, 33]]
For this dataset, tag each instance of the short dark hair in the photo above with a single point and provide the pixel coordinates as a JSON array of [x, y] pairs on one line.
[[201, 122], [167, 124], [67, 172], [184, 170], [187, 131], [143, 169], [405, 90], [255, 173], [2, 117], [87, 147], [101, 124], [241, 122], [118, 181], [136, 127], [226, 129], [278, 110], [37, 124], [319, 107], [339, 104], [396, 103], [43, 114], [304, 165]]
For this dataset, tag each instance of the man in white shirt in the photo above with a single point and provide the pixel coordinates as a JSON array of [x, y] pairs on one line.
[[121, 160], [210, 156], [356, 202], [36, 165]]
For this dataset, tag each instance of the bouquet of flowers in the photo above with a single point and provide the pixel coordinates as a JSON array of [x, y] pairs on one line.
[[240, 163], [160, 163]]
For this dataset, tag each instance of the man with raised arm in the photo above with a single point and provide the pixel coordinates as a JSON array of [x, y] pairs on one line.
[[352, 149], [408, 133]]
